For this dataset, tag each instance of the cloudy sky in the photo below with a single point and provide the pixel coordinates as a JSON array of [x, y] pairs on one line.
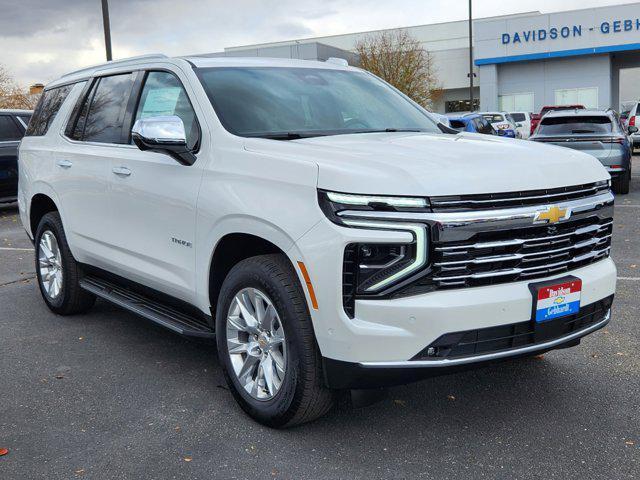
[[41, 39]]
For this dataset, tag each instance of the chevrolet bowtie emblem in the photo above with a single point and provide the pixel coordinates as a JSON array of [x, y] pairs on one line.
[[552, 215]]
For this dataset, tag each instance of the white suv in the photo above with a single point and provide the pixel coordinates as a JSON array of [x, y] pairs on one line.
[[313, 220]]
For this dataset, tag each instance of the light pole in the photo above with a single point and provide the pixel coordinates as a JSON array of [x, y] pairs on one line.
[[470, 58], [107, 29]]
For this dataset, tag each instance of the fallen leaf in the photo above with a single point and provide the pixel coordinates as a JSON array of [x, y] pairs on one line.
[[629, 442], [539, 357], [79, 471], [633, 266], [59, 376], [620, 354], [451, 397], [187, 459], [400, 403], [3, 451], [177, 429]]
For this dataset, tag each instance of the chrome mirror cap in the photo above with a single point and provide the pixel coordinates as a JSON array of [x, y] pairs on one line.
[[167, 129], [163, 134]]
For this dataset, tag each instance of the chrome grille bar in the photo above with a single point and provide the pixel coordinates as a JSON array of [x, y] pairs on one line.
[[518, 271], [522, 241]]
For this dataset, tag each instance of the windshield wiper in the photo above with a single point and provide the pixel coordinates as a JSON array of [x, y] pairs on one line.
[[583, 131], [287, 135], [387, 130]]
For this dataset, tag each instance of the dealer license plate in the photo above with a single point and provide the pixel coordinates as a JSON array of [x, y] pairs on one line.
[[559, 300]]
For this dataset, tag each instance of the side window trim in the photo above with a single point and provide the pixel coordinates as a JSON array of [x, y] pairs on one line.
[[143, 81], [77, 108], [132, 105]]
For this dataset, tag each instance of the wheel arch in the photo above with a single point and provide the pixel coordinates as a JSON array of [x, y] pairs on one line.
[[231, 249], [40, 205]]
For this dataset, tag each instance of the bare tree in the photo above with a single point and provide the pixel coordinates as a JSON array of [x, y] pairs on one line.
[[12, 95], [400, 59]]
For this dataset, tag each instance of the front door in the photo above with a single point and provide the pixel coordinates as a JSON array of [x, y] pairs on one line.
[[153, 198]]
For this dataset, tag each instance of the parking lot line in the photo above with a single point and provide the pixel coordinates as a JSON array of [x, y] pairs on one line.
[[12, 249], [628, 205], [635, 279]]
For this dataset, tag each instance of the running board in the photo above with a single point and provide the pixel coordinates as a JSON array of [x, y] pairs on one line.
[[159, 313]]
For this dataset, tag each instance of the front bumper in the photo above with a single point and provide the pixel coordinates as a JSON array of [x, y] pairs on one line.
[[363, 375]]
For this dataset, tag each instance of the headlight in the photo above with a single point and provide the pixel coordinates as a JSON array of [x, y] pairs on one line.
[[333, 203], [378, 266], [377, 269]]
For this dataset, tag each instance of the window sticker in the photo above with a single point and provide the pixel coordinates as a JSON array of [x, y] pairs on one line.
[[161, 101]]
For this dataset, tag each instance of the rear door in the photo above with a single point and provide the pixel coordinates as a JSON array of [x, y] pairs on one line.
[[10, 134], [92, 138], [153, 197]]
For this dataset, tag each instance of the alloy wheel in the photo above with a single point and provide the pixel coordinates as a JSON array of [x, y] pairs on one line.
[[50, 265], [256, 343]]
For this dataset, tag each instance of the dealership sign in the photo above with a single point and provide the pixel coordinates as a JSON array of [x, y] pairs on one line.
[[569, 31]]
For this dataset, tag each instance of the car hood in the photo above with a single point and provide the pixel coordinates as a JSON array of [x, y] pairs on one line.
[[433, 165]]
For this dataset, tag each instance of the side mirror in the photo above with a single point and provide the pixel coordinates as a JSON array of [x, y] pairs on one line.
[[163, 134], [633, 129]]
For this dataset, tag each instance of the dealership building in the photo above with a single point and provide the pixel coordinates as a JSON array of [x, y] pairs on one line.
[[521, 62]]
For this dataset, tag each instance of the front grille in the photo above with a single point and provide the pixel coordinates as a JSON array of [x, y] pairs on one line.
[[490, 201], [516, 335], [519, 254]]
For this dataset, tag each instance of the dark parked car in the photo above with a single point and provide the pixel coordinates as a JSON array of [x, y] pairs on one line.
[[472, 122], [13, 124], [596, 132]]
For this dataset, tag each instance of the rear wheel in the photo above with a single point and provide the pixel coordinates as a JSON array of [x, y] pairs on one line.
[[57, 271], [266, 344], [621, 183]]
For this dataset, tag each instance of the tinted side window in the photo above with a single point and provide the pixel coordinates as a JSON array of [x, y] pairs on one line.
[[163, 94], [48, 106], [75, 129], [105, 120], [9, 131], [518, 117]]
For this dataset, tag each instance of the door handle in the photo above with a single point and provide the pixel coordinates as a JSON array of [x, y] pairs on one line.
[[64, 163], [122, 171]]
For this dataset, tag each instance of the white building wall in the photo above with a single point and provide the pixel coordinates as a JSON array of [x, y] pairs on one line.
[[543, 78]]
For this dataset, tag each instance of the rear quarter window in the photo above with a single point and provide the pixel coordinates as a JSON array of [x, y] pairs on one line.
[[46, 110]]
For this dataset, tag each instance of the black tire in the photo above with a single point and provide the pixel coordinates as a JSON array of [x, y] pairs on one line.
[[71, 299], [621, 183], [302, 396]]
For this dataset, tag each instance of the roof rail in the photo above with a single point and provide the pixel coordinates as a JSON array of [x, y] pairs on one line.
[[115, 62]]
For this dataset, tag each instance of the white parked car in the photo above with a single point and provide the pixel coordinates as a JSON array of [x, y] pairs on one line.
[[503, 124], [315, 222], [523, 123], [631, 115]]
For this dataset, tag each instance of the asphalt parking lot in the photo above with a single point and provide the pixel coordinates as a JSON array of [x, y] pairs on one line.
[[108, 395]]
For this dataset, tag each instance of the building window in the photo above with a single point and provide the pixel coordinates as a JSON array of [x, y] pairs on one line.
[[578, 96], [516, 102], [461, 106]]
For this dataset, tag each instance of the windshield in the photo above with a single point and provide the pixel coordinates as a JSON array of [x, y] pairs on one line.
[[291, 103], [597, 124]]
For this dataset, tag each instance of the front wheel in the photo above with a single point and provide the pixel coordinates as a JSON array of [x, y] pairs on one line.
[[266, 344]]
